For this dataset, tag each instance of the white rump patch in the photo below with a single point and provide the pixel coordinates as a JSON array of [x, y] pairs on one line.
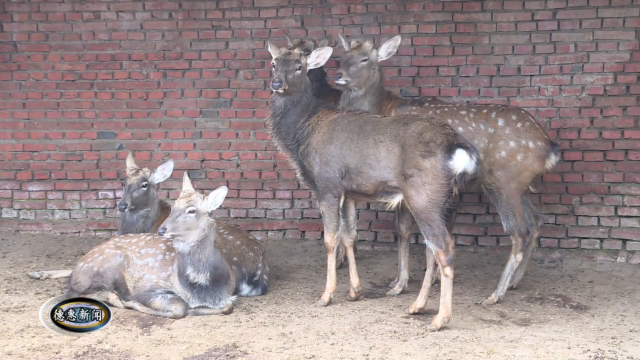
[[552, 160], [462, 161], [247, 290]]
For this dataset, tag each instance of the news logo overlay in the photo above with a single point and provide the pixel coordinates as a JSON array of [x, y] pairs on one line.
[[75, 315]]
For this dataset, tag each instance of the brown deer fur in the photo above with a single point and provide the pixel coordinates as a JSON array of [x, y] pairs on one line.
[[513, 148], [197, 266], [328, 95], [349, 157]]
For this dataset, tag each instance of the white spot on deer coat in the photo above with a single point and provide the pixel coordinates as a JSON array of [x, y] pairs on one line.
[[500, 122], [463, 112], [512, 143]]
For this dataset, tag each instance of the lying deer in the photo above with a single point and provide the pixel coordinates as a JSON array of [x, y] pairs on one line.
[[349, 157], [194, 266], [141, 211], [513, 150]]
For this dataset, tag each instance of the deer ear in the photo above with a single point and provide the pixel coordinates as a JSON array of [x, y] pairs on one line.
[[324, 42], [131, 164], [215, 198], [344, 42], [319, 57], [389, 48], [162, 173], [273, 50]]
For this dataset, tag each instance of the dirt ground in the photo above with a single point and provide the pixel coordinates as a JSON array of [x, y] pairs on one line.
[[567, 307]]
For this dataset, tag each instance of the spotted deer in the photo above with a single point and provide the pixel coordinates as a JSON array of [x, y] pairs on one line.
[[194, 266], [349, 157], [141, 211], [513, 151]]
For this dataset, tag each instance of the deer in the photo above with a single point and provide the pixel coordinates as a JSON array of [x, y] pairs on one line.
[[141, 211], [354, 156], [193, 266], [513, 151], [329, 95]]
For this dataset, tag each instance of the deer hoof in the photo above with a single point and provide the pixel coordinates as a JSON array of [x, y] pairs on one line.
[[415, 310], [322, 303], [393, 283], [354, 294], [490, 300], [438, 323], [227, 310], [394, 292]]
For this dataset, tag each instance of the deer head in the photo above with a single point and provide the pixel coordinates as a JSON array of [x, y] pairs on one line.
[[190, 219], [359, 64], [139, 185], [290, 66]]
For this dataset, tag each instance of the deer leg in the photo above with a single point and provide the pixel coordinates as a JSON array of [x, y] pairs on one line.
[[418, 306], [164, 304], [348, 234], [404, 222], [512, 216], [228, 309], [428, 212], [341, 256], [533, 223], [330, 210], [50, 274]]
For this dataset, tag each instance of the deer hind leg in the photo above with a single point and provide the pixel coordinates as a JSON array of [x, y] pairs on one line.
[[348, 234], [404, 222], [440, 247], [533, 226], [330, 210], [511, 213], [159, 303]]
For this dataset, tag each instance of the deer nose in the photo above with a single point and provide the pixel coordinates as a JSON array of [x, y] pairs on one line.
[[162, 231], [122, 206], [276, 84]]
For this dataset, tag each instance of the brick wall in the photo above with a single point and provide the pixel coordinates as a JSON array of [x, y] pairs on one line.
[[83, 82]]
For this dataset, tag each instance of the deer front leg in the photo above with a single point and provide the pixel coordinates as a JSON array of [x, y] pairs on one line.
[[163, 304], [330, 209], [50, 274]]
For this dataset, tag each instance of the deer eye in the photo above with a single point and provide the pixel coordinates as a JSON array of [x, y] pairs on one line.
[[273, 64], [191, 211], [145, 185], [299, 68], [364, 60]]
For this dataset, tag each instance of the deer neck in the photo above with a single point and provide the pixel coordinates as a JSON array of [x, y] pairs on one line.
[[369, 98], [140, 221], [292, 125], [318, 78], [202, 264], [291, 116]]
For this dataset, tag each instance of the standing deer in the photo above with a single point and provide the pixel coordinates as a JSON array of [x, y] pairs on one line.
[[513, 151], [349, 157], [141, 211], [194, 266]]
